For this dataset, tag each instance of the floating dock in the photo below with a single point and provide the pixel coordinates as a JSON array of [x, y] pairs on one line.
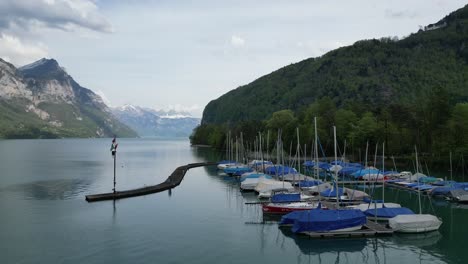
[[171, 182]]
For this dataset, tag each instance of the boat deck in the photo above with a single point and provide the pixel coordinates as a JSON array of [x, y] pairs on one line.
[[171, 182]]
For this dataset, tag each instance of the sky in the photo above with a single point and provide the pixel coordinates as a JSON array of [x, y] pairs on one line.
[[177, 54]]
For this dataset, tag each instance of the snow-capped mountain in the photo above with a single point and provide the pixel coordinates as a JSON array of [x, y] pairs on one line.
[[42, 100], [149, 122]]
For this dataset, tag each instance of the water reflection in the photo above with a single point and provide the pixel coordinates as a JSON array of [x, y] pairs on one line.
[[60, 189], [417, 240], [395, 249]]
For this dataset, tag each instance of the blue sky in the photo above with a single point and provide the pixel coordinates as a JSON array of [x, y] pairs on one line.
[[183, 54]]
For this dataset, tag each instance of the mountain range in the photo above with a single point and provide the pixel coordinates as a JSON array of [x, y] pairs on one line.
[[41, 100], [149, 122]]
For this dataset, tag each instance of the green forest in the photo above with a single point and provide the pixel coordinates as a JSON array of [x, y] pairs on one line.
[[404, 92]]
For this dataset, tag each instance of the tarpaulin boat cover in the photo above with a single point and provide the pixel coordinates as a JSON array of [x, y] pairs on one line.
[[348, 170], [309, 183], [355, 194], [332, 192], [423, 187], [457, 193], [280, 170], [363, 172], [237, 170], [321, 164], [266, 185], [254, 175], [286, 197], [327, 220], [414, 222], [443, 183], [387, 212], [446, 190], [289, 218], [319, 188]]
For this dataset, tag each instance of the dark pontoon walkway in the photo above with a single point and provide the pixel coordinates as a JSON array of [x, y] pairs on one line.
[[171, 182]]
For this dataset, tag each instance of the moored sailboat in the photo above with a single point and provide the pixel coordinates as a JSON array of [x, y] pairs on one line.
[[416, 223]]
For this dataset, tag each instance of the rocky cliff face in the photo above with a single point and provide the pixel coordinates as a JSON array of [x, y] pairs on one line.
[[42, 100]]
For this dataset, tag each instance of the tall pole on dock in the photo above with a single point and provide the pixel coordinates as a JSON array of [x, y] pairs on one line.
[[115, 155], [113, 150], [336, 171]]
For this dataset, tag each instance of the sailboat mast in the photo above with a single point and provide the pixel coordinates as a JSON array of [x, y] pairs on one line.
[[367, 149], [316, 149], [417, 171], [451, 178], [336, 171], [383, 175]]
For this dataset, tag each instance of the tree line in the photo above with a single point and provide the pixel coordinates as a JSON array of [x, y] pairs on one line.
[[434, 126]]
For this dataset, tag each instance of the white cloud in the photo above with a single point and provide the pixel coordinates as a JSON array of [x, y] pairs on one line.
[[60, 14], [19, 53], [237, 41]]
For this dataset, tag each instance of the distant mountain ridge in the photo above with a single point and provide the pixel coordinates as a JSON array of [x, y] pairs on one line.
[[41, 100], [149, 122]]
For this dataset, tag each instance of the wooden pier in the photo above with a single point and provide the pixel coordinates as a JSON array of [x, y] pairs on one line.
[[370, 229], [171, 182]]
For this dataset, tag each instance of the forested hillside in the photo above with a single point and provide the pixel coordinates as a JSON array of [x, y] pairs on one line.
[[405, 92]]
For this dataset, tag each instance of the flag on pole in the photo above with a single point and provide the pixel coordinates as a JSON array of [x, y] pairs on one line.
[[113, 148]]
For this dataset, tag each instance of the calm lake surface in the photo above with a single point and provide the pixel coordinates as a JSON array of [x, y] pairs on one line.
[[45, 219]]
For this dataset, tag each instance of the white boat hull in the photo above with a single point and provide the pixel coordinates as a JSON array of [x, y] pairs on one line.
[[348, 229]]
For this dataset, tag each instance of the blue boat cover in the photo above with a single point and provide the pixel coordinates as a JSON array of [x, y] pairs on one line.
[[309, 183], [289, 218], [280, 170], [444, 190], [327, 220], [286, 197], [368, 200], [443, 183], [425, 187], [348, 170], [322, 165], [363, 172], [237, 170], [332, 192], [254, 175], [386, 212]]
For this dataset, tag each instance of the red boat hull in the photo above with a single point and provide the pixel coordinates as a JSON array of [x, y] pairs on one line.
[[279, 209]]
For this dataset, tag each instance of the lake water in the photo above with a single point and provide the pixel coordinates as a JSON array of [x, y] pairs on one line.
[[45, 219]]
